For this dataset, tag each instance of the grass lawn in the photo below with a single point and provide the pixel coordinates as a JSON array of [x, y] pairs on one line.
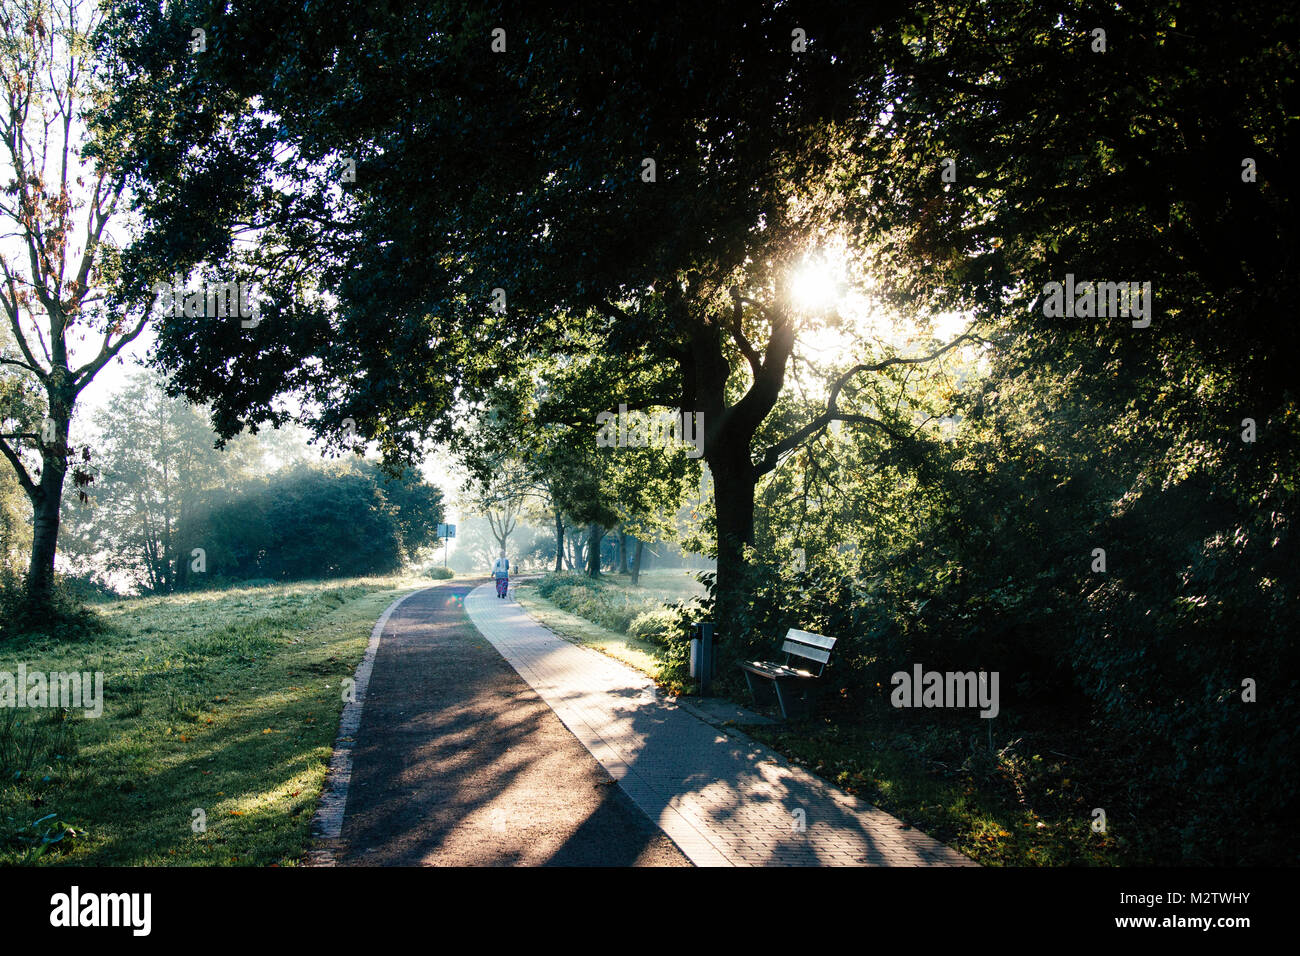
[[640, 654], [1020, 805], [661, 586], [222, 702]]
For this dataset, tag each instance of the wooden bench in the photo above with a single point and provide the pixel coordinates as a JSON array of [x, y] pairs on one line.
[[785, 678]]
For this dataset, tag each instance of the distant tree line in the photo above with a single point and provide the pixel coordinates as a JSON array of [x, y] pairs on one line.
[[169, 511]]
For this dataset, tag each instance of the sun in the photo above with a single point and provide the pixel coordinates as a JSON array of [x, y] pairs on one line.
[[816, 283]]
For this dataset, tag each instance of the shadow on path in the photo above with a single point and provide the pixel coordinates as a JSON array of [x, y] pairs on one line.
[[458, 762], [724, 799]]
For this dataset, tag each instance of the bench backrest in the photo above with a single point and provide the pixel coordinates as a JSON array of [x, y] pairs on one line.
[[809, 646]]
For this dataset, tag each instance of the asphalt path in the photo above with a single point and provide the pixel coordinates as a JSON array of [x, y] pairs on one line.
[[458, 762]]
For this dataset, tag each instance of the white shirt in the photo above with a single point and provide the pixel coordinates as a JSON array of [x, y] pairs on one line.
[[502, 567]]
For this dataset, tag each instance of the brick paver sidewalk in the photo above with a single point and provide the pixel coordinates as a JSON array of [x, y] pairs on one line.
[[723, 800]]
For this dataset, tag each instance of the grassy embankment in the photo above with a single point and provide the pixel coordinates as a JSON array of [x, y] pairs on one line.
[[1020, 805], [610, 616], [225, 702]]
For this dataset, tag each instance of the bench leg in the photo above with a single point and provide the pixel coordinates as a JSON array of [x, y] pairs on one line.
[[761, 700], [797, 699], [780, 699]]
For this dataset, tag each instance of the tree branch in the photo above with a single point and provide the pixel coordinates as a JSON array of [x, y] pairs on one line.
[[738, 333], [82, 376], [20, 469], [832, 414]]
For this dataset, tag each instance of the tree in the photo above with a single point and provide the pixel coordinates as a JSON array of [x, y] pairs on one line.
[[501, 498], [547, 417], [157, 470], [303, 522], [1102, 527], [1166, 438], [684, 256], [18, 404], [15, 522], [57, 275], [476, 547]]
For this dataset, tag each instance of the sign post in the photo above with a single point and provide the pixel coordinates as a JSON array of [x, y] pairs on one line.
[[446, 532]]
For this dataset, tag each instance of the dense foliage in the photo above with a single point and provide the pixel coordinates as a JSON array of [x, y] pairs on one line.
[[307, 523], [1097, 506]]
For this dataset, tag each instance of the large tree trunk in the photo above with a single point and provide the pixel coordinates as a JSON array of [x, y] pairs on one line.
[[168, 545], [182, 572], [45, 537], [636, 563], [728, 444], [595, 533], [559, 543], [733, 502], [46, 504], [622, 551], [573, 553]]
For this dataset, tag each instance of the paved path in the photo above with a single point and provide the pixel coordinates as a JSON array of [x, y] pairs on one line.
[[455, 761], [724, 801]]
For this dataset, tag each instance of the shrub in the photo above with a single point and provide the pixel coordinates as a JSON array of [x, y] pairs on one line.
[[653, 625], [675, 656], [87, 590], [634, 613], [553, 582], [439, 573], [65, 619], [307, 523], [592, 599]]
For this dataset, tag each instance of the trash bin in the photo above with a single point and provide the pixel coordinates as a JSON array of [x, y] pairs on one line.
[[702, 654]]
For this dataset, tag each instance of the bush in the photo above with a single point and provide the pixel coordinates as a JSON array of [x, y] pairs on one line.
[[590, 604], [307, 523], [674, 639], [632, 613], [553, 582], [625, 610], [651, 625], [439, 573], [87, 590], [65, 619]]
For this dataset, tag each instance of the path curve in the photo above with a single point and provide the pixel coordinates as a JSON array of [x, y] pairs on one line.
[[726, 801], [455, 761]]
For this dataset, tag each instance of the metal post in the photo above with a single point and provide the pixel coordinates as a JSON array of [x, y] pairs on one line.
[[702, 655]]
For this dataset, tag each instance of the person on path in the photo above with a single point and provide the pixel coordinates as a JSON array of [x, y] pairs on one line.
[[501, 571]]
